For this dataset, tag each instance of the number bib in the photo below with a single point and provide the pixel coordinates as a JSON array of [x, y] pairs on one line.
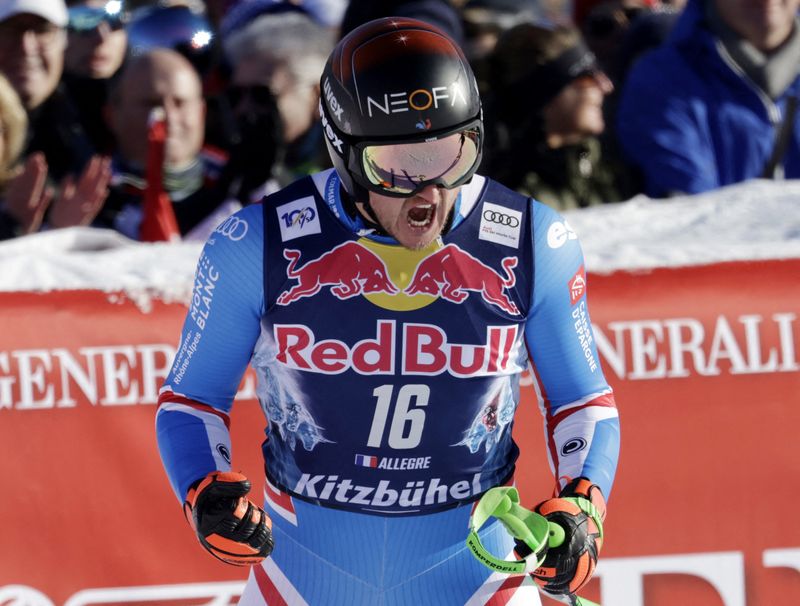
[[390, 377]]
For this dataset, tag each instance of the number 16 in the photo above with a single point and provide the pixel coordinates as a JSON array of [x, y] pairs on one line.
[[407, 422]]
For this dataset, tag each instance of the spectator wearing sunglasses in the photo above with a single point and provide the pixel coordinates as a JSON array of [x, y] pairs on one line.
[[96, 47], [547, 121], [32, 44], [716, 104], [276, 52]]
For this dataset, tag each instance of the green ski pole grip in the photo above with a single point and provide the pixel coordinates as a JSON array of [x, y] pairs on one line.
[[533, 529]]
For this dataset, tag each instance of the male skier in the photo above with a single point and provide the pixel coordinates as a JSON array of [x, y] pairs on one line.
[[389, 307]]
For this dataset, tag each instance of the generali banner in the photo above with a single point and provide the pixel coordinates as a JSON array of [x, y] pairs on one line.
[[704, 362]]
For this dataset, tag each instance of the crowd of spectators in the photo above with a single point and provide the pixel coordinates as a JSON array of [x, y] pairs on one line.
[[586, 101]]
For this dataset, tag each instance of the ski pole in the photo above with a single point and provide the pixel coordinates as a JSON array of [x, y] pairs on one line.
[[533, 529]]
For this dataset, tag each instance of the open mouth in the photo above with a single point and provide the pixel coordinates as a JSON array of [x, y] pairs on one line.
[[420, 217]]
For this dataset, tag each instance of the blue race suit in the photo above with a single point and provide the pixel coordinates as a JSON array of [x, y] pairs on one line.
[[389, 379]]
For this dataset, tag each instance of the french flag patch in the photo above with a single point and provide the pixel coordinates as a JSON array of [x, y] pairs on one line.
[[366, 460]]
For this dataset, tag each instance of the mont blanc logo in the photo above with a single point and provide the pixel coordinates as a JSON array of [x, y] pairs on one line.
[[329, 132], [500, 224], [232, 228], [572, 446]]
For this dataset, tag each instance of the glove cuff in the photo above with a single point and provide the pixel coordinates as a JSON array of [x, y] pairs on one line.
[[227, 524], [584, 488]]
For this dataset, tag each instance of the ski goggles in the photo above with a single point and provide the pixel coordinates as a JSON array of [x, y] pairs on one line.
[[403, 169]]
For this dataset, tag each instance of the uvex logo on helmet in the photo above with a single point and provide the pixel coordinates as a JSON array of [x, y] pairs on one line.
[[333, 102], [329, 132], [420, 99]]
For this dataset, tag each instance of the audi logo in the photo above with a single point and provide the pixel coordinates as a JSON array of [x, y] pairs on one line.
[[500, 218], [233, 228]]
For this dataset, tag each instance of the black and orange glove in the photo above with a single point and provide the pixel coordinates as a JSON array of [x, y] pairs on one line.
[[229, 525], [580, 510]]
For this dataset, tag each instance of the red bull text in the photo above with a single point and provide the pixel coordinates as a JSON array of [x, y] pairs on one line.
[[424, 350]]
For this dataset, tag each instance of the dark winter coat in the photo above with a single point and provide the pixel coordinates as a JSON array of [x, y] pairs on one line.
[[574, 176], [691, 120]]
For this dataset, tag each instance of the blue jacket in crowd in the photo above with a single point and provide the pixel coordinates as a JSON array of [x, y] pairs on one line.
[[692, 121]]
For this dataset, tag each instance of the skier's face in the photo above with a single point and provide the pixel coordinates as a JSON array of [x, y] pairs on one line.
[[415, 222]]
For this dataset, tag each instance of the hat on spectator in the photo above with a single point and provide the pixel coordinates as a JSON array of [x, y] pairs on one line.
[[54, 11], [535, 62], [242, 14], [328, 12], [179, 27]]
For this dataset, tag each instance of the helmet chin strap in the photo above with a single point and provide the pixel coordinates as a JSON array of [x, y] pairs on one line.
[[355, 208], [370, 217]]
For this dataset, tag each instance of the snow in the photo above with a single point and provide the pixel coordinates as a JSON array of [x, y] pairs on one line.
[[80, 258], [754, 220]]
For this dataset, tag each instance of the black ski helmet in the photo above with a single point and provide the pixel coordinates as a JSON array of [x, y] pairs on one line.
[[395, 80]]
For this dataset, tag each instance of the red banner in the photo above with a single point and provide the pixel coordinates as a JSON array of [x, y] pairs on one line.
[[704, 363]]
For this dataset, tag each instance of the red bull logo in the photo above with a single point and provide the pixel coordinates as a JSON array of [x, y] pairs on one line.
[[353, 268], [350, 269], [452, 273]]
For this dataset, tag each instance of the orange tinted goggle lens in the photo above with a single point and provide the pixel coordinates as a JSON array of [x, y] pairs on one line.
[[404, 167]]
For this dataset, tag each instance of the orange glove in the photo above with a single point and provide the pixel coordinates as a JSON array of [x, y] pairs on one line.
[[227, 524], [580, 510]]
